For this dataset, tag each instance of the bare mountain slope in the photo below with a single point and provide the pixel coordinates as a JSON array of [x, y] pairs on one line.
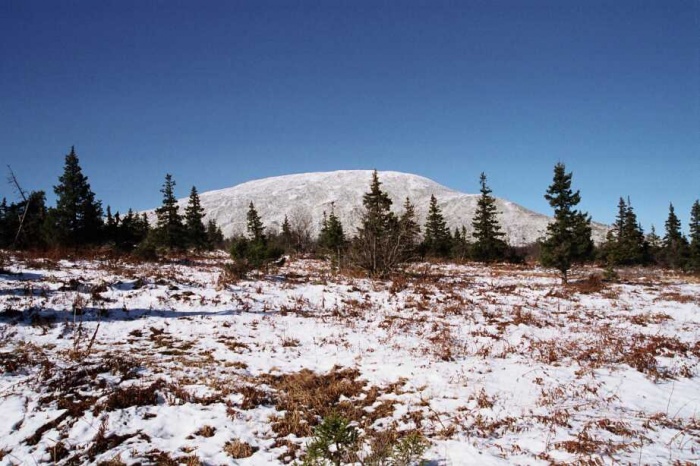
[[304, 198]]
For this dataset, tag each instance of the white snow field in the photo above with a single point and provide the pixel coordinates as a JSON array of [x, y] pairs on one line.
[[304, 197], [108, 362]]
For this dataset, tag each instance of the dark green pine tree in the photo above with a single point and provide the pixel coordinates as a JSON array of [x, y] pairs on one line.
[[376, 247], [77, 219], [695, 236], [256, 230], [675, 246], [111, 227], [409, 231], [489, 245], [169, 232], [568, 239], [5, 241], [287, 236], [195, 230], [332, 236], [461, 246], [437, 241], [626, 244], [254, 251], [131, 230], [215, 237], [635, 245], [32, 216]]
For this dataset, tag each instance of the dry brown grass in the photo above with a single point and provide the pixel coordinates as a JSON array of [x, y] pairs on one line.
[[206, 431], [237, 449]]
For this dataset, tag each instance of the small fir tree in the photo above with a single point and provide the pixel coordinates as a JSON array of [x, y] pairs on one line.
[[332, 236], [215, 237], [170, 232], [287, 235], [410, 231], [461, 246], [654, 242], [256, 230], [695, 236], [25, 223], [77, 218], [254, 252], [111, 226], [194, 222], [131, 230], [488, 244], [568, 239], [437, 240]]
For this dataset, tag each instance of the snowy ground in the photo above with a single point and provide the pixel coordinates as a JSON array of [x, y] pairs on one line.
[[115, 363]]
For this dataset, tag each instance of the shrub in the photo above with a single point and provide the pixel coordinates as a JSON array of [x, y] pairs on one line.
[[334, 440]]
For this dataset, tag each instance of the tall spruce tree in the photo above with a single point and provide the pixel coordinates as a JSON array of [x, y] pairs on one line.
[[170, 232], [568, 239], [77, 219], [675, 246], [695, 236], [489, 245], [194, 222], [377, 248], [437, 240]]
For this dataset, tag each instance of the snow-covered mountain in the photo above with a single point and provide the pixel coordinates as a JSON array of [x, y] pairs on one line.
[[304, 197]]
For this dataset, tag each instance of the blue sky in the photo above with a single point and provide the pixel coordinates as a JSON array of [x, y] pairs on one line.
[[222, 92]]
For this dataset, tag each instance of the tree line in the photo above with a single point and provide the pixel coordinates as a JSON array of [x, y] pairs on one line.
[[78, 221], [383, 241]]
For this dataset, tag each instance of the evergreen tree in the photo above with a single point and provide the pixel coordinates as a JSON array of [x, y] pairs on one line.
[[131, 230], [215, 237], [626, 244], [32, 215], [675, 246], [256, 230], [437, 240], [569, 236], [287, 235], [111, 227], [409, 230], [461, 246], [194, 222], [654, 246], [377, 248], [254, 251], [695, 236], [4, 225], [77, 219], [332, 236], [489, 245], [170, 231]]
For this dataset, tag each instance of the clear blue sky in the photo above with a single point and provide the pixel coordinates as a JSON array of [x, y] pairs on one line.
[[222, 92]]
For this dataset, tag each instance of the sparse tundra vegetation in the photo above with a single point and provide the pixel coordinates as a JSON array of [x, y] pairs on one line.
[[116, 362], [399, 343]]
